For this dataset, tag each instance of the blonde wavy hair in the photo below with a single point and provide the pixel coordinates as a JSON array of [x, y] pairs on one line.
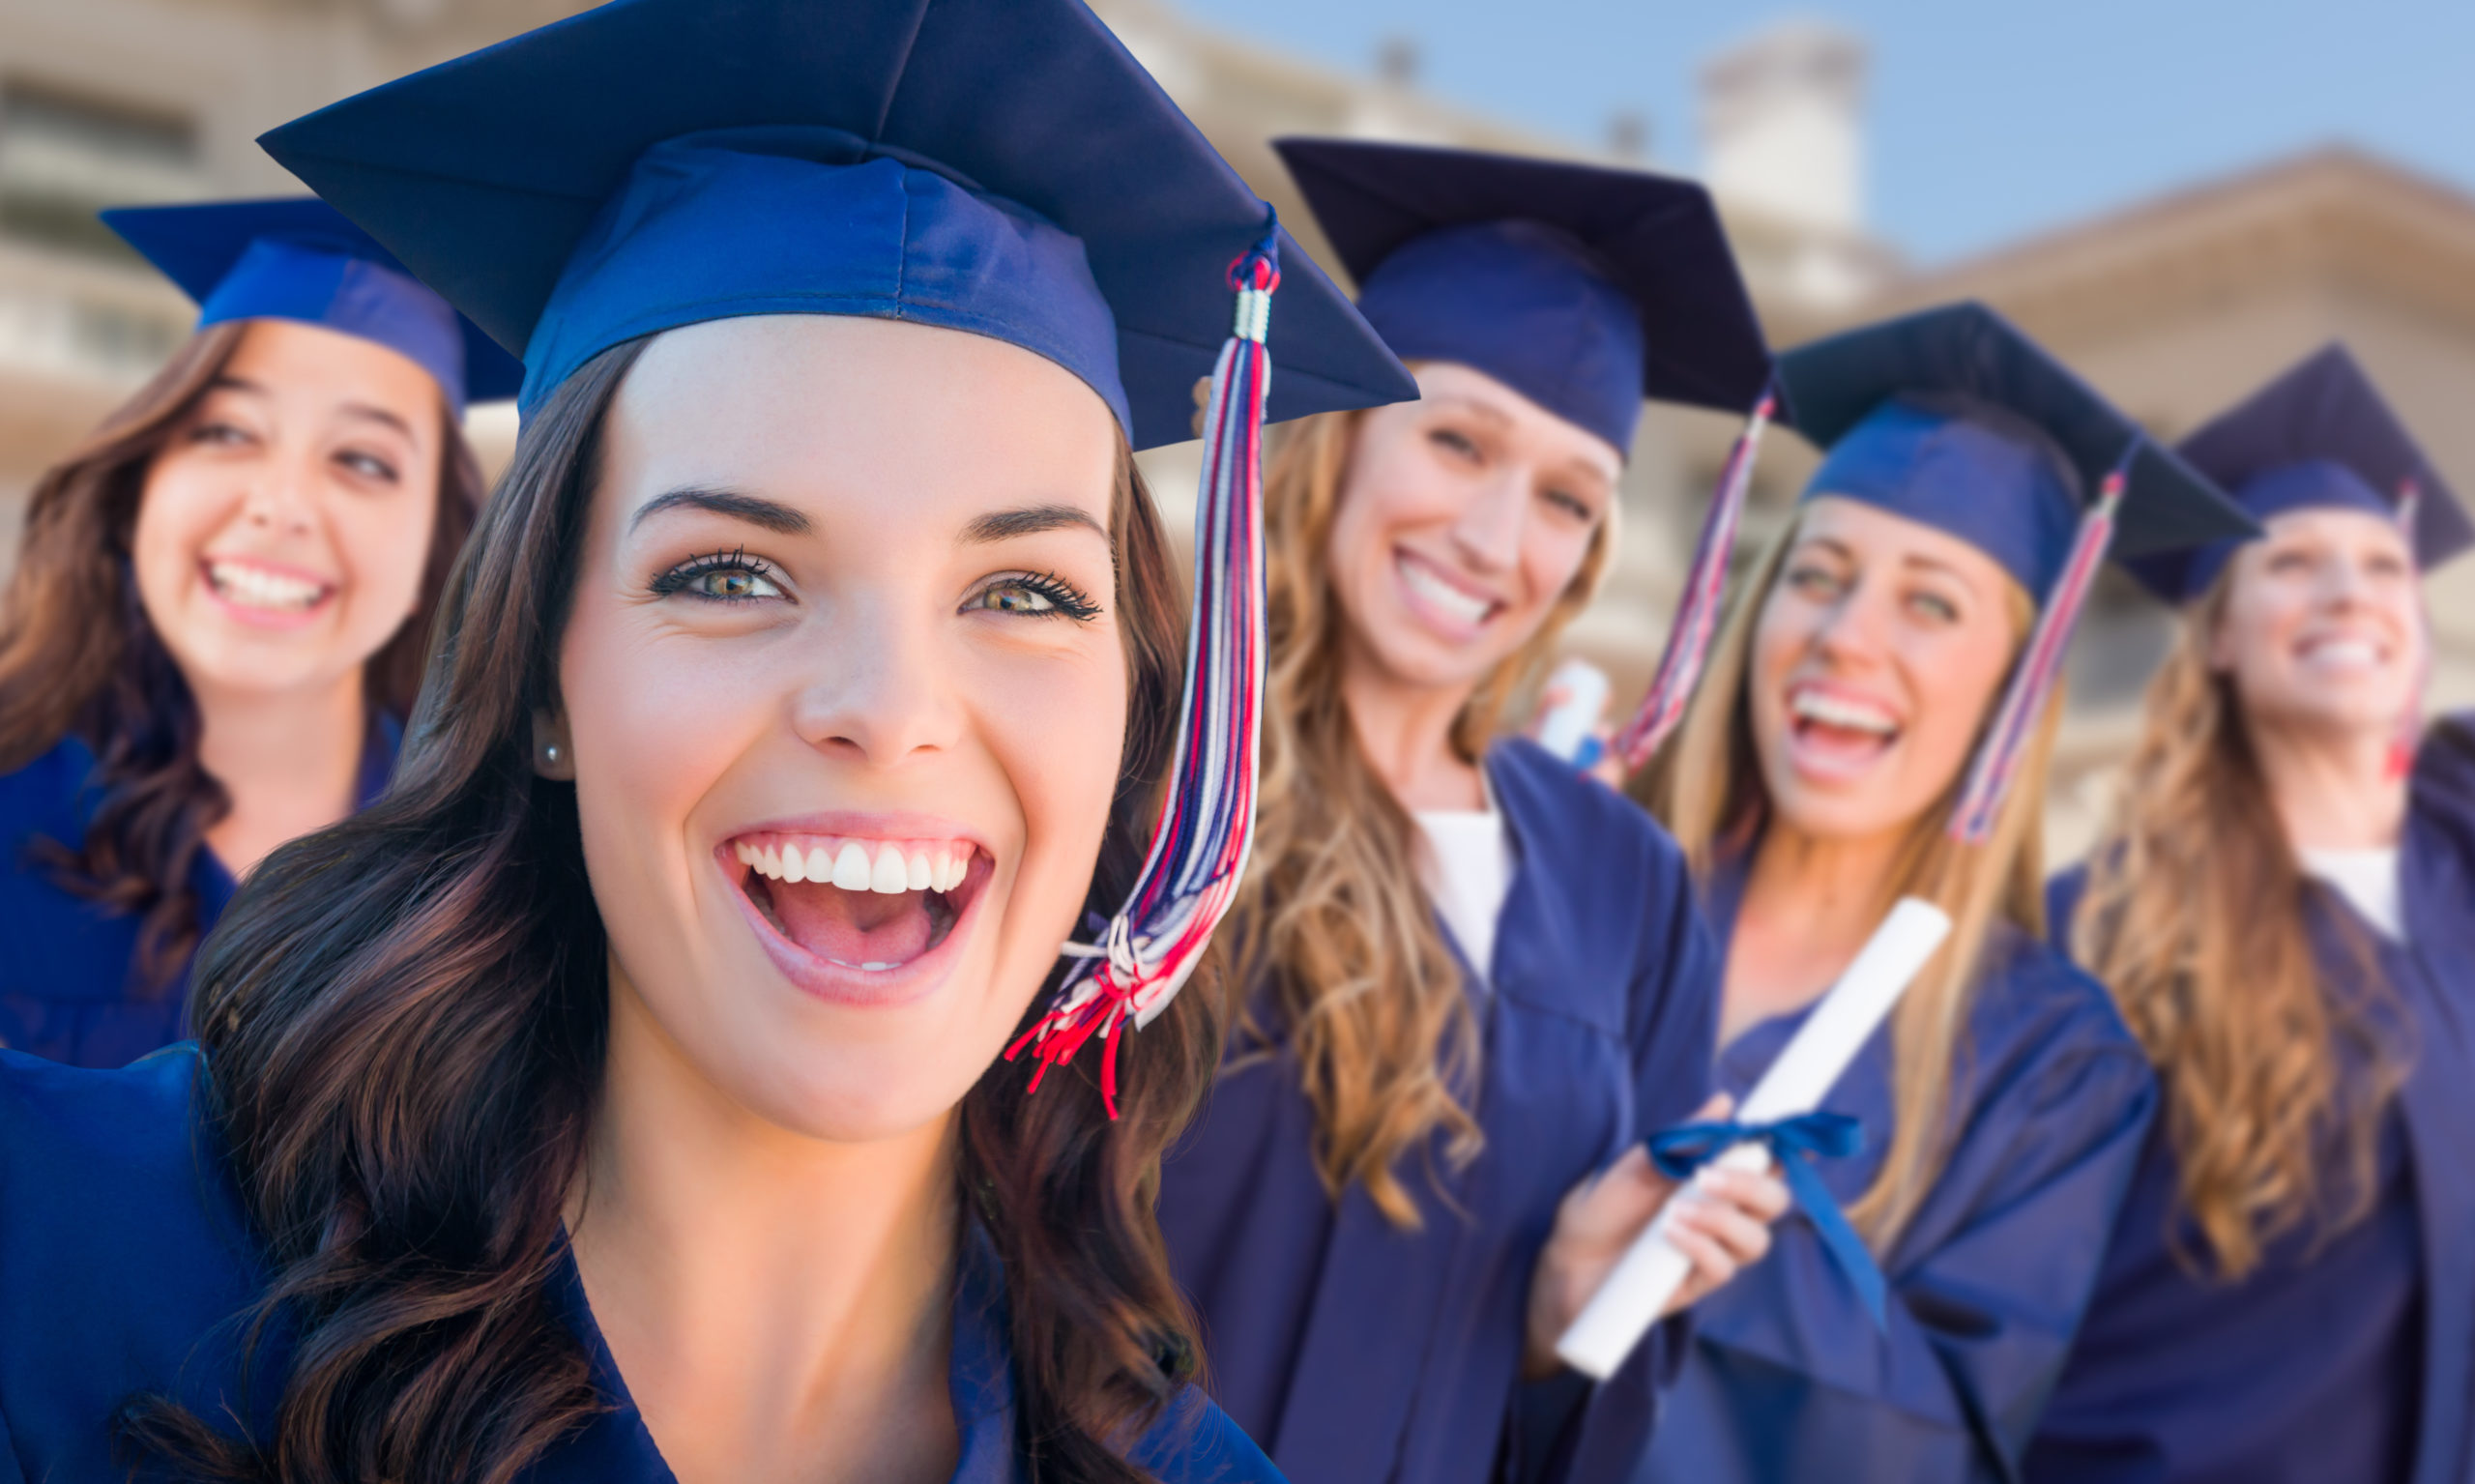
[[2195, 915], [1705, 786], [1331, 922]]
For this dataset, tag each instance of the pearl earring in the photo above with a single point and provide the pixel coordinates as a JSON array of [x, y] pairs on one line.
[[550, 754]]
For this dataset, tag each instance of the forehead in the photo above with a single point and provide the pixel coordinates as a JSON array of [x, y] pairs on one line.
[[293, 358], [1871, 533], [821, 402], [1556, 437]]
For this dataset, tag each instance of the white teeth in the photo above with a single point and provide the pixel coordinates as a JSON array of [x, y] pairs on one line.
[[261, 589], [1434, 590], [1831, 711], [886, 866]]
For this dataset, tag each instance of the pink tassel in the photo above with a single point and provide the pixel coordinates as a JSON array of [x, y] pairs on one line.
[[1696, 612], [1206, 825], [1997, 757], [2409, 736]]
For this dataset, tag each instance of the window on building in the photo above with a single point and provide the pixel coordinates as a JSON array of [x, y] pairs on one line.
[[65, 156]]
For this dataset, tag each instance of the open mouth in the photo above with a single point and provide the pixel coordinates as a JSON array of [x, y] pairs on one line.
[[264, 591], [1836, 734], [1433, 591], [865, 907], [2345, 654]]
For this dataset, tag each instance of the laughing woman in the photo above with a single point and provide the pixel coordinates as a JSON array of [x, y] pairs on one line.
[[1812, 783], [2289, 921], [221, 599], [621, 1098], [1459, 1011]]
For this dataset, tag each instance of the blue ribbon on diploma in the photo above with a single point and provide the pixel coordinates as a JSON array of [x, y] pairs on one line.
[[1795, 1144]]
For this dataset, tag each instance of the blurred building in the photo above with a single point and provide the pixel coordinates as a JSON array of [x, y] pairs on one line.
[[2174, 306]]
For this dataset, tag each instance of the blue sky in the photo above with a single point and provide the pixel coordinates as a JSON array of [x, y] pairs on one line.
[[1989, 119]]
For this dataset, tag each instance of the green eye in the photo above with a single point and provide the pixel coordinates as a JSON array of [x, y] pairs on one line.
[[1015, 600]]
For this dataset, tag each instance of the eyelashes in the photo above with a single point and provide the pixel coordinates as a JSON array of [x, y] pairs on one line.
[[736, 577], [1037, 595], [720, 578]]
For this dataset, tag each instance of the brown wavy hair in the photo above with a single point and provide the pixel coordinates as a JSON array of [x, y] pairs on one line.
[[1705, 786], [1331, 923], [78, 655], [404, 1019], [2196, 915]]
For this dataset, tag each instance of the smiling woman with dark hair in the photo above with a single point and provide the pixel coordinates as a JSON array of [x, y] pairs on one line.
[[622, 1097], [217, 620]]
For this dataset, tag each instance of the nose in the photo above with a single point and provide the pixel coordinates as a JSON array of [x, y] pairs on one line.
[[281, 497], [877, 695], [1849, 633], [1487, 533]]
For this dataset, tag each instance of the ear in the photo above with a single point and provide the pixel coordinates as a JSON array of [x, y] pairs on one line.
[[553, 756]]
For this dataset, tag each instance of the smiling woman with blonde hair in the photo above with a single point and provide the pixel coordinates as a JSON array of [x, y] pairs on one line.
[[1875, 724], [1457, 1015], [2289, 922]]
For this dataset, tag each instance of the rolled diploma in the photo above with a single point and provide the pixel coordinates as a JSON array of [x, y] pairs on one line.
[[1563, 729], [1651, 1269]]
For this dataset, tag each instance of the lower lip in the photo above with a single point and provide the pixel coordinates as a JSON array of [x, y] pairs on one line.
[[266, 617], [838, 985], [1445, 623]]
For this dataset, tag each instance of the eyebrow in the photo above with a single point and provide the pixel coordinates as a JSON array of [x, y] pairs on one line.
[[1485, 410], [766, 514], [230, 383], [1030, 520]]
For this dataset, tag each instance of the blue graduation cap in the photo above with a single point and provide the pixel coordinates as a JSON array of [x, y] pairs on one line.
[[999, 166], [297, 258], [2319, 436], [1002, 167], [1954, 417], [1583, 289]]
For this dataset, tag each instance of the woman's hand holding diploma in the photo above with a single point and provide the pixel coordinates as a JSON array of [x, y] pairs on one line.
[[1722, 1226]]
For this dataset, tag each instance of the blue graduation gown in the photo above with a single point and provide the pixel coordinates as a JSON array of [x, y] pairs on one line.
[[1359, 1353], [125, 1253], [69, 989], [1787, 1379], [2351, 1359]]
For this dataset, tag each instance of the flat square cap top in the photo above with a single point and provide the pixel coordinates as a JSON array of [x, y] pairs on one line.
[[1000, 166]]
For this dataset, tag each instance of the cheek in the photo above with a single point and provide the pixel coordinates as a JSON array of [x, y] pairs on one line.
[[382, 542], [180, 510], [1553, 550], [1056, 730], [1958, 679]]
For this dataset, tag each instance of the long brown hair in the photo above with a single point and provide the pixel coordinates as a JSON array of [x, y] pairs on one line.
[[1705, 786], [78, 655], [404, 1020], [2196, 915], [1368, 998]]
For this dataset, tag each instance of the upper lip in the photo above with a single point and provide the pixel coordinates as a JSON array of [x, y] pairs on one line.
[[886, 824]]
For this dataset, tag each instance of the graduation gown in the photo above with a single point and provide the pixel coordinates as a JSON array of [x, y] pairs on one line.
[[69, 989], [2350, 1358], [1359, 1353], [1786, 1377], [125, 1253]]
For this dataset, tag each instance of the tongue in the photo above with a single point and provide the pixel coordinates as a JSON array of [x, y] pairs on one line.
[[853, 927]]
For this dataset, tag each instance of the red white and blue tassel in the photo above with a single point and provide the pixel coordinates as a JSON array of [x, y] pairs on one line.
[[1206, 825], [1696, 613], [2409, 735], [2024, 701]]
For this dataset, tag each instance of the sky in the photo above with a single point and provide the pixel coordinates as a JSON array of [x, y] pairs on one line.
[[1987, 120]]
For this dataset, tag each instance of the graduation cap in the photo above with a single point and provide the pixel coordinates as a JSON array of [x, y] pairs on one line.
[[2319, 437], [1583, 289], [1002, 167], [1952, 417], [297, 258], [1586, 290]]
